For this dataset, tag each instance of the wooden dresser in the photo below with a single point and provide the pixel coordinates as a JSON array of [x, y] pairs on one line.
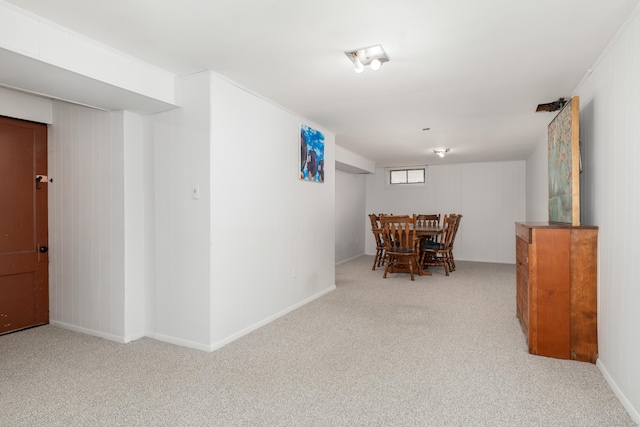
[[556, 289]]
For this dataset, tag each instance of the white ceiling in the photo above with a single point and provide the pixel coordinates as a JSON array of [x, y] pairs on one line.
[[471, 70]]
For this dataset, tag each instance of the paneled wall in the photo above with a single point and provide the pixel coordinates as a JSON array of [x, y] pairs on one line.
[[610, 131], [86, 217], [490, 196], [610, 107]]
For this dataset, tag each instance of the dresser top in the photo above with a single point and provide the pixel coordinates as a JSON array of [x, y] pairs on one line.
[[554, 225]]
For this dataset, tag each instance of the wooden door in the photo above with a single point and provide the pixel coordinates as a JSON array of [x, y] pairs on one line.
[[24, 271]]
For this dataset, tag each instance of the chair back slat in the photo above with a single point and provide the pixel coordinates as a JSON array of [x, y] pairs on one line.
[[399, 233], [428, 220]]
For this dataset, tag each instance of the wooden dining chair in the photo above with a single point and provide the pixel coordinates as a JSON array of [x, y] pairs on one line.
[[452, 263], [428, 220], [438, 253], [431, 220], [401, 244], [377, 235]]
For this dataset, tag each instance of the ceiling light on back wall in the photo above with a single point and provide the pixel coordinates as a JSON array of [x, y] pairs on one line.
[[374, 56], [441, 151]]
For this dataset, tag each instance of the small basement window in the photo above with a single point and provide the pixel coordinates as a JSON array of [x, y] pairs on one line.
[[409, 177]]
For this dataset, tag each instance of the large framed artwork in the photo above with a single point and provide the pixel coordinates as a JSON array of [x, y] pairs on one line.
[[564, 165], [311, 154]]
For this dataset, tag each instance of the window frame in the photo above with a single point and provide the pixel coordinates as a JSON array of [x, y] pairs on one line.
[[406, 169]]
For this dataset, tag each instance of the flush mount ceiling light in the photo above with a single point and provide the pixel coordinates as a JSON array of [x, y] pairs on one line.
[[374, 56], [441, 151]]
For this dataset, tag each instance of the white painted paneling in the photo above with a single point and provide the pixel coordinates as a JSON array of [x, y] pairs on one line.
[[610, 131], [350, 209], [87, 221], [135, 187], [105, 230], [616, 210], [490, 196], [612, 97]]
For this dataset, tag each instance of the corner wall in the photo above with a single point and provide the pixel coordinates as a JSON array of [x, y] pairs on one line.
[[538, 182], [178, 296], [94, 280], [255, 242], [350, 209]]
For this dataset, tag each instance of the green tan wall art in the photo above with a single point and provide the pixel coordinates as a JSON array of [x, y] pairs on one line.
[[564, 165]]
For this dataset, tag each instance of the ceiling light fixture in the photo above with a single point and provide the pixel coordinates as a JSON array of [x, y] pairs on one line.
[[374, 56], [441, 151], [359, 68]]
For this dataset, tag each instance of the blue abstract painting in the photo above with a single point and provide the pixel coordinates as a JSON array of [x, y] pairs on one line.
[[311, 154]]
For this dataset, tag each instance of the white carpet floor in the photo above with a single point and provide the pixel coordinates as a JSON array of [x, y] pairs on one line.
[[440, 351]]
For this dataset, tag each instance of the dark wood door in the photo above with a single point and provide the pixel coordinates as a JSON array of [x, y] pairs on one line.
[[24, 271]]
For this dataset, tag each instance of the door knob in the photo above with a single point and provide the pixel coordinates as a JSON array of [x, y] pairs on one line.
[[43, 249]]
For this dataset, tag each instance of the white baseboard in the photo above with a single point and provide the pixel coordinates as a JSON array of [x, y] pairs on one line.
[[633, 412], [92, 332], [178, 341], [269, 319], [192, 344], [125, 340], [219, 344], [349, 259]]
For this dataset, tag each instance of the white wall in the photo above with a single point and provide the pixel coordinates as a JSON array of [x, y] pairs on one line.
[[133, 253], [350, 211], [31, 36], [178, 298], [351, 162], [490, 196], [610, 131], [538, 182], [254, 245], [272, 234], [24, 106]]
